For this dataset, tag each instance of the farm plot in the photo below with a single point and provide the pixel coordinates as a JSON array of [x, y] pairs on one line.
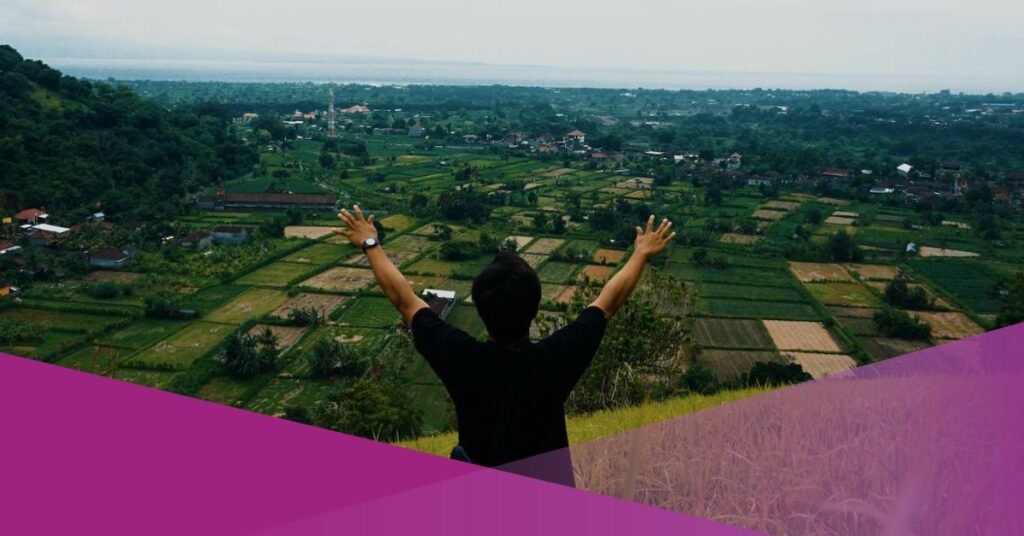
[[969, 281], [844, 294], [551, 292], [397, 222], [880, 272], [722, 290], [307, 231], [928, 251], [567, 295], [409, 242], [860, 326], [949, 325], [370, 312], [430, 265], [594, 272], [283, 393], [157, 379], [756, 309], [821, 365], [318, 254], [885, 347], [322, 303], [728, 364], [809, 272], [852, 312], [105, 276], [556, 272], [764, 277], [521, 241], [801, 336], [59, 320], [398, 257], [225, 390], [730, 333], [533, 259], [781, 205], [429, 229], [770, 215], [253, 303], [277, 274], [287, 336], [545, 246], [94, 359], [736, 238], [422, 282], [341, 279], [142, 333], [184, 347], [936, 300], [609, 256]]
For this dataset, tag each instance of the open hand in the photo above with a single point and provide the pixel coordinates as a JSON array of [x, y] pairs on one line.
[[650, 241], [357, 228]]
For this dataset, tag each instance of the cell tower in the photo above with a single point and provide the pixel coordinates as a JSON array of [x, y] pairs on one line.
[[330, 112]]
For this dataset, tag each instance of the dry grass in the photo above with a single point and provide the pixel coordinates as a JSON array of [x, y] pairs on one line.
[[772, 215], [803, 336], [609, 256], [821, 365], [875, 271], [341, 278], [781, 205], [544, 246], [951, 325], [928, 251], [306, 231], [839, 220], [323, 303], [596, 273], [736, 238]]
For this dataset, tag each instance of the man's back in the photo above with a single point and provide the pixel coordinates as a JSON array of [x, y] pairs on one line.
[[509, 403]]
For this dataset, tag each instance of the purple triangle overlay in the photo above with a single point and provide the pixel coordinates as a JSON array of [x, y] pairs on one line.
[[927, 443], [83, 454]]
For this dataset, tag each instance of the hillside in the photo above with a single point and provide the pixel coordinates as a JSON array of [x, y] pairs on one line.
[[584, 428], [68, 144]]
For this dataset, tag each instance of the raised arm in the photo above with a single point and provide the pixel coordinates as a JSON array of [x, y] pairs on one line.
[[649, 243], [391, 281]]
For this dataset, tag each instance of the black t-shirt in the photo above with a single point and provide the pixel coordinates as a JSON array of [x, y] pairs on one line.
[[509, 404]]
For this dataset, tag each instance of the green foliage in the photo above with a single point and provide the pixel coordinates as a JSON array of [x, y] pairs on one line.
[[105, 291], [133, 155], [841, 247], [767, 373], [246, 356], [330, 358], [699, 379], [13, 331], [1013, 310], [373, 408], [899, 294], [464, 204], [896, 323]]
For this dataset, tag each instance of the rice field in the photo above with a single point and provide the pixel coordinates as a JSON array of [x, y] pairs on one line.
[[341, 279], [949, 325], [318, 254], [185, 346], [756, 309], [277, 274], [731, 333], [810, 272], [370, 312], [252, 303], [545, 246], [844, 294], [322, 303]]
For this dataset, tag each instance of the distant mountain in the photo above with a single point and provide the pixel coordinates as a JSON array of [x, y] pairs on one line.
[[67, 144]]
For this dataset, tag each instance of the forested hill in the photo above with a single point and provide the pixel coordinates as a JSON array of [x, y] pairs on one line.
[[67, 144]]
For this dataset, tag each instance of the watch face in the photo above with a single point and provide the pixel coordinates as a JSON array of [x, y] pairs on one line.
[[369, 242]]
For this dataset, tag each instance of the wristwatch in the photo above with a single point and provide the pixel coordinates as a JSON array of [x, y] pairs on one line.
[[370, 242]]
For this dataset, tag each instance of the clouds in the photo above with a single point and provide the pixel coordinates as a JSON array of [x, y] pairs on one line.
[[904, 37]]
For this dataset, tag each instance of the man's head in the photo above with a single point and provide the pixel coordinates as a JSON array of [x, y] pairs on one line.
[[507, 295]]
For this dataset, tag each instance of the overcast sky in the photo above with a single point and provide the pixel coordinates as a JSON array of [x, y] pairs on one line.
[[940, 38]]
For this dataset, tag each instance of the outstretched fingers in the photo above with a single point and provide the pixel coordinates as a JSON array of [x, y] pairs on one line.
[[650, 223], [359, 213]]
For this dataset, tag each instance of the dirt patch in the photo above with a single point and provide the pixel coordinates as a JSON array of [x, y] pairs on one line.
[[341, 278], [885, 347], [841, 214], [596, 273], [838, 220], [833, 201], [874, 271], [809, 272], [307, 231], [558, 172], [609, 256], [343, 339], [803, 336], [566, 295], [821, 365], [521, 241]]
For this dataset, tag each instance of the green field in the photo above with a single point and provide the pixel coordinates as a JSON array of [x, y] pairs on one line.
[[370, 312], [95, 359], [59, 320], [727, 364], [844, 294], [731, 333], [970, 282], [318, 254], [756, 309], [253, 303], [557, 272], [277, 274], [721, 290], [181, 349], [466, 318], [142, 333], [282, 393]]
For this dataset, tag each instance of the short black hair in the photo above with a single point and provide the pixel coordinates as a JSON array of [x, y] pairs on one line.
[[507, 295]]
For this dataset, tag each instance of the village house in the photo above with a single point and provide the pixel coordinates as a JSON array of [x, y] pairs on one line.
[[758, 181], [197, 241], [835, 174], [7, 246], [230, 234], [249, 116], [31, 216], [734, 162], [905, 169], [5, 289], [108, 258], [356, 109], [416, 131]]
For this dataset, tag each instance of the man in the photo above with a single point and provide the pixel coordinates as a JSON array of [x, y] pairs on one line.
[[508, 391]]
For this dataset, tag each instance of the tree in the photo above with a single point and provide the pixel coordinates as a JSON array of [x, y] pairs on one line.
[[840, 247], [896, 323], [899, 294], [813, 216], [699, 379], [326, 160], [246, 356], [713, 196], [373, 408], [765, 373]]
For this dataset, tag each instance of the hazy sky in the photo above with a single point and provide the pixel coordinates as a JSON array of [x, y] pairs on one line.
[[954, 38]]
